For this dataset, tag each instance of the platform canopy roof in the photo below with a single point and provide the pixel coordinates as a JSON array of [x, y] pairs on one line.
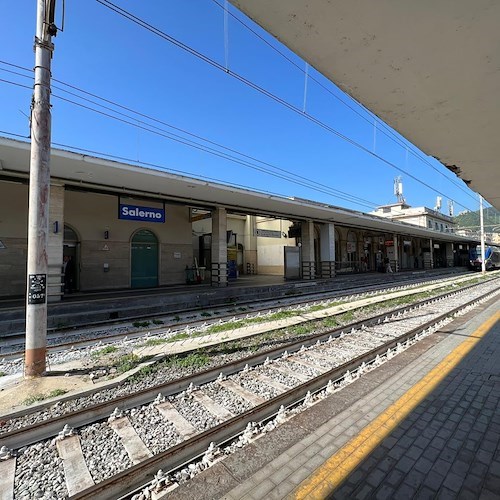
[[430, 69], [89, 173]]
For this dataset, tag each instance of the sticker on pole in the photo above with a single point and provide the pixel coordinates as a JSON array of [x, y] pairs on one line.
[[37, 288]]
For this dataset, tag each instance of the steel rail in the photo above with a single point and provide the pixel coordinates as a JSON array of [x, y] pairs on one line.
[[138, 476], [336, 293], [157, 330], [47, 429]]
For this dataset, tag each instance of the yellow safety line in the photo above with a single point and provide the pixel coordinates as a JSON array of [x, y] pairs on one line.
[[337, 468]]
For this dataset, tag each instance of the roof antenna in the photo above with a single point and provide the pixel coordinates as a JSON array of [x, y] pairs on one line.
[[398, 189]]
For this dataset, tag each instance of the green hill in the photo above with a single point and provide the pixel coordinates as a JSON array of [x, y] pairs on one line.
[[471, 219]]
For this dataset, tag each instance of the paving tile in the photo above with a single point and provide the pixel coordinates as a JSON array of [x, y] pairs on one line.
[[389, 442], [397, 452], [404, 464], [260, 490], [414, 453], [421, 442], [280, 491], [488, 446], [414, 479], [448, 454], [484, 457], [454, 444], [363, 493], [386, 464], [453, 482], [488, 494], [466, 455], [492, 435], [395, 478], [492, 483], [460, 434], [434, 480], [423, 465], [473, 482], [281, 474], [425, 493], [438, 442], [356, 477], [447, 494], [405, 491], [494, 468], [314, 462], [384, 492], [431, 453]]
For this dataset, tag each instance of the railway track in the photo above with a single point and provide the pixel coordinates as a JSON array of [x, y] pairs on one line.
[[13, 344], [212, 406]]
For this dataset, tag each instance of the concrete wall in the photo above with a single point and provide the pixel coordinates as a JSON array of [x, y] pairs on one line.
[[270, 251], [13, 235], [91, 214]]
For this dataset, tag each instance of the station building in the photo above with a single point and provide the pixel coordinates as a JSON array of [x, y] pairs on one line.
[[128, 226]]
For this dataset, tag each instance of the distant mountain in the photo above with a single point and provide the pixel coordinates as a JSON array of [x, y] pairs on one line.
[[471, 219]]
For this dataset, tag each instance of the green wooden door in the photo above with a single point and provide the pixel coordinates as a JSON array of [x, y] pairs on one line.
[[144, 260]]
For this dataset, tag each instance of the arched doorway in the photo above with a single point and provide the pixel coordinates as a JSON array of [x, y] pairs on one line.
[[71, 252], [144, 260]]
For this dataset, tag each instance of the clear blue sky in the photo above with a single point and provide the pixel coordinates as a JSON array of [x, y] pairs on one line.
[[105, 54]]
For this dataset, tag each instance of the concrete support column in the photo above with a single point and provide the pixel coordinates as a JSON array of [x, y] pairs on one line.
[[55, 245], [250, 246], [219, 247], [396, 264], [327, 250], [431, 260], [307, 250]]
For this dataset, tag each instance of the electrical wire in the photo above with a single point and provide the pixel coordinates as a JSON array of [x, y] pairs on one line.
[[305, 182], [388, 132], [370, 204], [158, 166], [140, 22], [176, 171]]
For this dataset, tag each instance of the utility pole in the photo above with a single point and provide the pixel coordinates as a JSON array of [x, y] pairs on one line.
[[38, 214], [481, 222]]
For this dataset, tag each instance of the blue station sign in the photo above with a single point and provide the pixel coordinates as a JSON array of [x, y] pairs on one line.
[[146, 214]]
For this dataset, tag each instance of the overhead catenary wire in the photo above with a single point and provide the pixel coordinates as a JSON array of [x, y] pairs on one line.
[[204, 139], [140, 22], [289, 176], [156, 166], [339, 194], [387, 131]]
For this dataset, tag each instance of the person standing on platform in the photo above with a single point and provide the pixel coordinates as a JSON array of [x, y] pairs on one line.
[[388, 268]]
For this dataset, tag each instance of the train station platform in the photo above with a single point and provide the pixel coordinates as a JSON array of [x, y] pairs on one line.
[[93, 307], [424, 425]]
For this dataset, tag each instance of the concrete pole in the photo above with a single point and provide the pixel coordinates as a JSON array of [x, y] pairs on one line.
[[481, 222], [396, 253], [38, 215], [327, 250], [219, 247], [307, 250]]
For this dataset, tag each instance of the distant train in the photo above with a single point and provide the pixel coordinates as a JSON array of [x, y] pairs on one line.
[[491, 254]]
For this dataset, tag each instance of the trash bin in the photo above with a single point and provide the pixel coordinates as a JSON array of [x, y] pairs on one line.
[[232, 270], [190, 275]]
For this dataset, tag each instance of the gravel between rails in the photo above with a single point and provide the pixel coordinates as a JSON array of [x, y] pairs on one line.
[[105, 454], [218, 355]]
